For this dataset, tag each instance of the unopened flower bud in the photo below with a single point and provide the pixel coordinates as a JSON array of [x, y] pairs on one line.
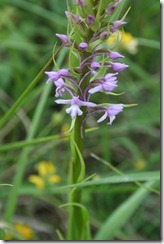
[[81, 3], [110, 9], [72, 17], [90, 19], [115, 55], [83, 46], [118, 66], [95, 65], [64, 39], [104, 35]]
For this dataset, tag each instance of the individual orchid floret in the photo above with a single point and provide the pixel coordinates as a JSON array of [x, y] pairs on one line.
[[116, 25], [75, 103], [115, 55], [118, 66], [64, 39], [81, 3], [90, 19], [60, 87], [83, 46], [95, 65], [111, 113], [108, 83], [54, 76]]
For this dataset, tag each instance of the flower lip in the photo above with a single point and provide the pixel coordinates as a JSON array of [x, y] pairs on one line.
[[75, 103], [74, 110]]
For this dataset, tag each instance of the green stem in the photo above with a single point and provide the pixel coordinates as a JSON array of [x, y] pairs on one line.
[[75, 213], [78, 225]]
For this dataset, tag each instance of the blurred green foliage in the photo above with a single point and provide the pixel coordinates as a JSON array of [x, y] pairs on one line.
[[131, 144]]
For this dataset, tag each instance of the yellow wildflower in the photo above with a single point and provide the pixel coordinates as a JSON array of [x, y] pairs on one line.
[[46, 175], [123, 40], [140, 164], [8, 237], [37, 180], [54, 179], [25, 231], [45, 168]]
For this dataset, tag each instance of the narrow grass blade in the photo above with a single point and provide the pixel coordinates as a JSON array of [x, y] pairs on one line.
[[18, 103], [133, 177], [122, 214]]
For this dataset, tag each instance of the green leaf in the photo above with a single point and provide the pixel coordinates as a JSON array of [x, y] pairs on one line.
[[82, 171], [122, 214], [148, 43], [40, 11], [2, 234], [85, 229], [133, 177], [27, 91], [36, 141]]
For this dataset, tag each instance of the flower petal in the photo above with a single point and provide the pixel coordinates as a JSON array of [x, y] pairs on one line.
[[63, 101], [95, 89], [103, 117], [74, 110], [111, 119]]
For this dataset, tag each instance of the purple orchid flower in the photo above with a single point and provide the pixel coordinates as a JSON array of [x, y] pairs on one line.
[[111, 113], [54, 76], [75, 103], [60, 87], [107, 83]]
